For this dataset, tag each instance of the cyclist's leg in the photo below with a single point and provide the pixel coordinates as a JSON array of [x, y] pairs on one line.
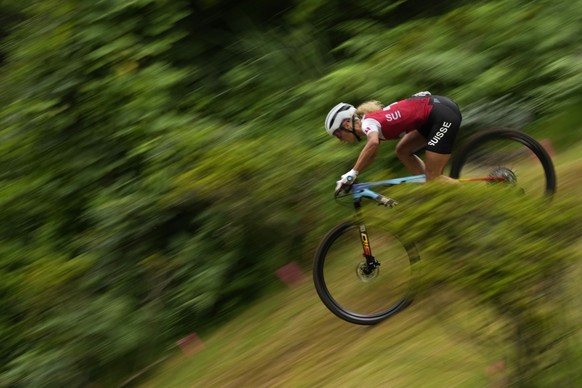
[[405, 149], [443, 126], [435, 165]]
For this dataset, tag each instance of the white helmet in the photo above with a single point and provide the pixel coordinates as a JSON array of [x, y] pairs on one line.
[[337, 115]]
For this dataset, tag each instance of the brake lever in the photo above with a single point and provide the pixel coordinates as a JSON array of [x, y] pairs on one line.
[[342, 187]]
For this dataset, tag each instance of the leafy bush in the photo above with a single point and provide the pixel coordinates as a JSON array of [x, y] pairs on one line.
[[506, 254]]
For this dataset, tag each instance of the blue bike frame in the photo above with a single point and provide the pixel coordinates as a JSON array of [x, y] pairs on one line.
[[362, 190]]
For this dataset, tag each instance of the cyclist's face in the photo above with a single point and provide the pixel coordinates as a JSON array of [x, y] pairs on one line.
[[344, 132]]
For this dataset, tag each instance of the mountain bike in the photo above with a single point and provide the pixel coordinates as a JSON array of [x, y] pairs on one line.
[[365, 275]]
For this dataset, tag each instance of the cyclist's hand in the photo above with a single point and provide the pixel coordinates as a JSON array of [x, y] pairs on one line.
[[346, 181], [339, 186]]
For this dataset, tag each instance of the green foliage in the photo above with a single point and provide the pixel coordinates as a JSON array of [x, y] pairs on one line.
[[506, 254], [159, 160]]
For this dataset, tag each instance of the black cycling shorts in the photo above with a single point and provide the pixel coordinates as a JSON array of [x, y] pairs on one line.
[[442, 125]]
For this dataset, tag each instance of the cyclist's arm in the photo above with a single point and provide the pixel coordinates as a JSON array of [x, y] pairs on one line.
[[369, 152]]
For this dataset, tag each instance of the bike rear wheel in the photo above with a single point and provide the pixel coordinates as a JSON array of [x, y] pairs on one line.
[[350, 293], [512, 156]]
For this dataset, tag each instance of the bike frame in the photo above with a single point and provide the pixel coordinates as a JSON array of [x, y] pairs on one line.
[[362, 190]]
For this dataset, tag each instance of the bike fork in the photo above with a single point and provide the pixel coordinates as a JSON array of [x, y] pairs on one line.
[[371, 262]]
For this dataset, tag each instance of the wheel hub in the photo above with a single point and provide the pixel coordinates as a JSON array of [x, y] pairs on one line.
[[365, 273]]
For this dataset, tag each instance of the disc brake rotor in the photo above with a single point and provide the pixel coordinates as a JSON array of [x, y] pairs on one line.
[[361, 270]]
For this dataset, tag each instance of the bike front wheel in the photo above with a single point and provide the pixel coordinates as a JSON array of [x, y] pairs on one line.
[[509, 156], [354, 294]]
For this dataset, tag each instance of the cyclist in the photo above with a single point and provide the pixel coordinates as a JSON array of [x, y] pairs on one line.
[[421, 121]]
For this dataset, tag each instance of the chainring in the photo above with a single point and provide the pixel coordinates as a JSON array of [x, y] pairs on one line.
[[504, 173]]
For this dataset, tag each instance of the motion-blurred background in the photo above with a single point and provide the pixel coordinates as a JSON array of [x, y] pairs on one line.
[[161, 160]]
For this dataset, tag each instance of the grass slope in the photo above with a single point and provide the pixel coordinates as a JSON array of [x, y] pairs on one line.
[[291, 340]]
